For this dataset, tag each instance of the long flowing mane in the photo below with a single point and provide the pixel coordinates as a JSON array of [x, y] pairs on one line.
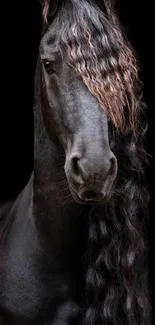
[[117, 275]]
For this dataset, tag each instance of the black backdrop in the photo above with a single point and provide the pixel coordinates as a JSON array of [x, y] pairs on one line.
[[20, 35]]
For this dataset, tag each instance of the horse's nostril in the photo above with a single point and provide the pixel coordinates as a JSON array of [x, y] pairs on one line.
[[76, 171], [113, 166], [75, 166]]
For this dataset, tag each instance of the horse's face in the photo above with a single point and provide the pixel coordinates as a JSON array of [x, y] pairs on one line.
[[74, 117]]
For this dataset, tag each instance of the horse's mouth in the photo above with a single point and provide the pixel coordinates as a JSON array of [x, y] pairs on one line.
[[87, 200]]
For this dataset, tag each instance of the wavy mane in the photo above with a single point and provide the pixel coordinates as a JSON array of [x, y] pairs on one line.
[[117, 287]]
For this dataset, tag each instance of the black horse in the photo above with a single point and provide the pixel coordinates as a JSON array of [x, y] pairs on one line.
[[74, 243]]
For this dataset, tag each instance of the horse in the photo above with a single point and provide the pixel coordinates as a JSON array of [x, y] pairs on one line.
[[73, 244]]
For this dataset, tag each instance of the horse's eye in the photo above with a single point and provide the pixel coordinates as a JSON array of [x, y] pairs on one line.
[[48, 66]]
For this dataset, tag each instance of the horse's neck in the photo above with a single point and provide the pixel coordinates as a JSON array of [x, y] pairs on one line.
[[57, 215]]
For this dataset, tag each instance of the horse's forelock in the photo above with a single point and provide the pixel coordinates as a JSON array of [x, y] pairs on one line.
[[103, 59]]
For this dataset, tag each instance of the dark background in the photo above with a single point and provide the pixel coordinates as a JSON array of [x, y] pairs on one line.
[[20, 35]]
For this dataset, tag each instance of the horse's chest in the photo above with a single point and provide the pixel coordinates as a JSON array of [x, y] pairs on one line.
[[21, 296], [30, 295]]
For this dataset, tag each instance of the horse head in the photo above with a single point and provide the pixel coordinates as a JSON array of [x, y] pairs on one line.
[[87, 83]]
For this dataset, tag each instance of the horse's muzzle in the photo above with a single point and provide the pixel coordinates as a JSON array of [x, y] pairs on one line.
[[90, 178]]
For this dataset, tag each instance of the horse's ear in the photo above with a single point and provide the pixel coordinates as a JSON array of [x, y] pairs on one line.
[[49, 7]]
